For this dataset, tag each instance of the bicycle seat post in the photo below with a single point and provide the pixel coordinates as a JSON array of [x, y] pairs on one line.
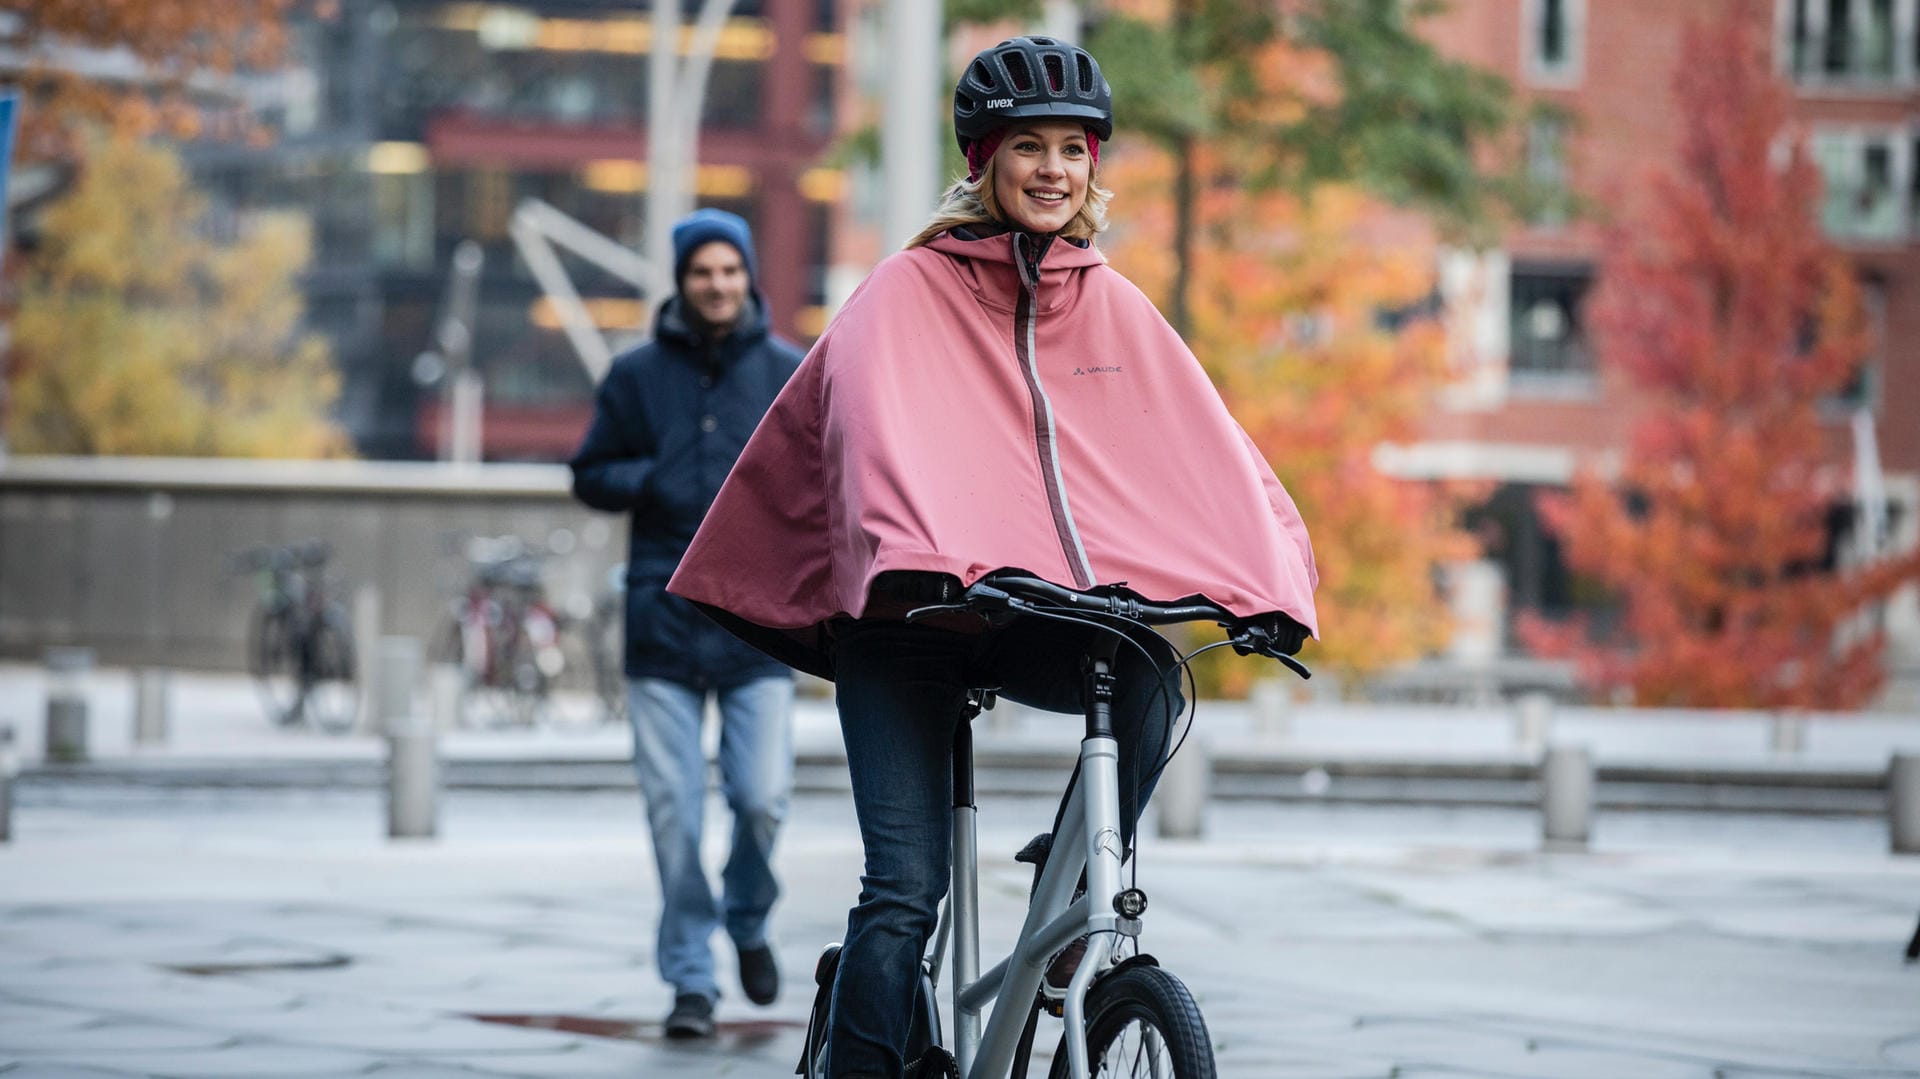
[[966, 884]]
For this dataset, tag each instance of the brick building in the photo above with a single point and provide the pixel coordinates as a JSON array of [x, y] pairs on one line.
[[1530, 400]]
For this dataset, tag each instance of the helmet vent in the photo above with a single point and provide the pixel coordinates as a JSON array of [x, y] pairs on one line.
[[981, 74], [1056, 73], [1085, 66], [1018, 72]]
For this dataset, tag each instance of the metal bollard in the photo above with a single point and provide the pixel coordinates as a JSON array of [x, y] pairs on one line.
[[8, 766], [396, 679], [366, 647], [1268, 702], [1903, 802], [413, 772], [1532, 718], [1566, 798], [67, 670], [413, 779], [1181, 795], [150, 706], [447, 692]]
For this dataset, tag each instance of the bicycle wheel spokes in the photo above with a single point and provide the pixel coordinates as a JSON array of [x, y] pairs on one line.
[[332, 697], [1142, 1024], [1138, 1052], [273, 660]]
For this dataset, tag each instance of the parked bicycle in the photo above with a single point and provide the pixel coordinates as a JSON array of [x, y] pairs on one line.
[[505, 634], [300, 640], [606, 644], [1123, 1013]]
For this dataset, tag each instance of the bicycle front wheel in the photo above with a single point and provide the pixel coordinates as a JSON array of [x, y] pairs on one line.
[[331, 697], [273, 658], [1142, 1022]]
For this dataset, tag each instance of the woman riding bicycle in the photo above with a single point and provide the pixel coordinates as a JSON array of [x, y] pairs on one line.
[[993, 397]]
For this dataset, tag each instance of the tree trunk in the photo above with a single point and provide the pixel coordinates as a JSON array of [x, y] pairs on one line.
[[1183, 211]]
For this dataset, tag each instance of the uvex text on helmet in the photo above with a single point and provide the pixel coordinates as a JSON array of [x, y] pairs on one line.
[[1031, 77]]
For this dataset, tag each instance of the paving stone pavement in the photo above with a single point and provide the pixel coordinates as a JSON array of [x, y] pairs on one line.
[[237, 933]]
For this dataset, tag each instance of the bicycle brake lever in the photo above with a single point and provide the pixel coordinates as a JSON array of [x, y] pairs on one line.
[[1254, 640], [1293, 665], [919, 613]]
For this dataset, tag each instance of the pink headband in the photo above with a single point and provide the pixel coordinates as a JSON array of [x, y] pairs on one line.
[[983, 149]]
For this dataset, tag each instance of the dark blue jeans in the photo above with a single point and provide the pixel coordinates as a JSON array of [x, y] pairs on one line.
[[901, 690]]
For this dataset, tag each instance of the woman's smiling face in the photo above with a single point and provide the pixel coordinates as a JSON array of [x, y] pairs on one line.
[[1041, 172]]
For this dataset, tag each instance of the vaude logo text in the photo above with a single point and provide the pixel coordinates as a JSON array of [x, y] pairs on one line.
[[1113, 370]]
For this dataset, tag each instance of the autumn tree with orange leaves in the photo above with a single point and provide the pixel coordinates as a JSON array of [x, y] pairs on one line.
[[1289, 294], [136, 67], [1733, 319], [138, 330]]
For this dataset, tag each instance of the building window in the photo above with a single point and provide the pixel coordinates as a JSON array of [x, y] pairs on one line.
[[1869, 183], [1554, 32], [1547, 342], [1547, 168], [403, 220], [1851, 42]]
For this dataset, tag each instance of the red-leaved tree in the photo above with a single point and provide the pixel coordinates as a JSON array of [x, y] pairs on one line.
[[1731, 319]]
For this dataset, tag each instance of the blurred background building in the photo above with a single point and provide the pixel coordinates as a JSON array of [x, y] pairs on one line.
[[1530, 399], [405, 128], [408, 126]]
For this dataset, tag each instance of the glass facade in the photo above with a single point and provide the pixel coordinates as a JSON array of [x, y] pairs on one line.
[[405, 127]]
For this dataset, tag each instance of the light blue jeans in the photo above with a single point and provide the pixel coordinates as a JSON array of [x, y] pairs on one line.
[[756, 777]]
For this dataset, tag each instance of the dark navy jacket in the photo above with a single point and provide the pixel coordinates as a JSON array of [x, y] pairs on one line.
[[669, 420]]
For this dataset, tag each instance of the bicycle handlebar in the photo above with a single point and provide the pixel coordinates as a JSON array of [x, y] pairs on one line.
[[281, 556], [1018, 594]]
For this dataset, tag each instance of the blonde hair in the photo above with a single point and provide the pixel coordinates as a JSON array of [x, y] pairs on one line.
[[972, 202]]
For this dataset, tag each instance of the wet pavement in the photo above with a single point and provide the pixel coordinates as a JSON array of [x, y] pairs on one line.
[[197, 932]]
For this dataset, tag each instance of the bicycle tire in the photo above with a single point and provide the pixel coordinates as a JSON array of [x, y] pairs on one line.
[[273, 661], [1121, 1009], [330, 696]]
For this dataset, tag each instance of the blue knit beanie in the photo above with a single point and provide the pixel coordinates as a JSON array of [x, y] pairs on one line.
[[702, 227]]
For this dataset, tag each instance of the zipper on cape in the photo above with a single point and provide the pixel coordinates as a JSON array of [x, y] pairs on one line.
[[1027, 256]]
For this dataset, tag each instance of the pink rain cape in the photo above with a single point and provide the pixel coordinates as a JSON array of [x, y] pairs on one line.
[[959, 416]]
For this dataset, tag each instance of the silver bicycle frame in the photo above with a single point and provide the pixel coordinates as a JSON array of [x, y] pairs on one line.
[[1089, 837]]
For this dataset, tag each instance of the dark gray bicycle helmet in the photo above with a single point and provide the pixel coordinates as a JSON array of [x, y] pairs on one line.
[[1024, 77]]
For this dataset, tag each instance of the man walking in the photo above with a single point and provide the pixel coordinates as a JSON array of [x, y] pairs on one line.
[[669, 420]]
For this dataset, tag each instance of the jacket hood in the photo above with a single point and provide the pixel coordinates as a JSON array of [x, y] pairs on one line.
[[989, 265], [983, 245]]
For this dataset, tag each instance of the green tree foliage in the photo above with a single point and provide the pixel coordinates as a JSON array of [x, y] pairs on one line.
[[1299, 95], [138, 333]]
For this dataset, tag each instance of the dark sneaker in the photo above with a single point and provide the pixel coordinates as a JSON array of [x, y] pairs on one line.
[[759, 974], [691, 1017]]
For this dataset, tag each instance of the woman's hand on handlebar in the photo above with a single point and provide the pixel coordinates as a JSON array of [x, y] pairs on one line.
[[1272, 634]]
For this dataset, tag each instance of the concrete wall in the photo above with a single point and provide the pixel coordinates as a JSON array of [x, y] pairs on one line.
[[132, 557]]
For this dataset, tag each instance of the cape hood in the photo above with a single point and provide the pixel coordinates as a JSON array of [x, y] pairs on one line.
[[965, 413]]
